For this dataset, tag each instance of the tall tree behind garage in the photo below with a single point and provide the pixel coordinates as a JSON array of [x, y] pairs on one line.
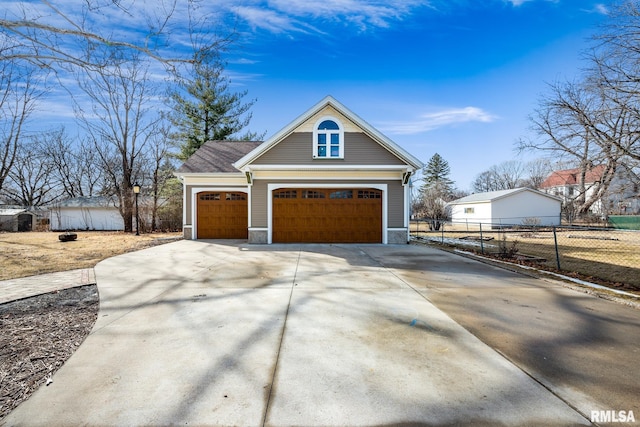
[[119, 123], [204, 109], [437, 189]]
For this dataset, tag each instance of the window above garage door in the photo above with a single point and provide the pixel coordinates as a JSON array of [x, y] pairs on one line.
[[328, 139]]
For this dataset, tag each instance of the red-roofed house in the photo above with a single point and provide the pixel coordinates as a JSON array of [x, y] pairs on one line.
[[567, 184], [621, 195]]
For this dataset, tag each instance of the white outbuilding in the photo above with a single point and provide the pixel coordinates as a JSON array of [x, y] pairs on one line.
[[16, 219], [508, 207], [86, 213]]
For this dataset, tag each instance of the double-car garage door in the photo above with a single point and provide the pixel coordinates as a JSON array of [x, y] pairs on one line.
[[327, 215], [300, 215]]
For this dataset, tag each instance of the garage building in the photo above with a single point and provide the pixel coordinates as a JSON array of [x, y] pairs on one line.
[[327, 177]]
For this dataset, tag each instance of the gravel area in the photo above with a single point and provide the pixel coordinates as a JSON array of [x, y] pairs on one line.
[[38, 335]]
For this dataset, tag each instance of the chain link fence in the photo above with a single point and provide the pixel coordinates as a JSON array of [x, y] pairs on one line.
[[609, 255]]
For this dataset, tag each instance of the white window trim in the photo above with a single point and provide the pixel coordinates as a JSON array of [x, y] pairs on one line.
[[276, 186], [314, 153]]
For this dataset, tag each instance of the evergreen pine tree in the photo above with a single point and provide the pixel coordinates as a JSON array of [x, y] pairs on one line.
[[435, 175], [204, 109]]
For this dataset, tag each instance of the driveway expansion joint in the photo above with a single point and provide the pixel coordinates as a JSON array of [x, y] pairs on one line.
[[284, 329]]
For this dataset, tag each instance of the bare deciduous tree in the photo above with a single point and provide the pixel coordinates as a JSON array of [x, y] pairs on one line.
[[432, 207], [503, 176], [55, 33], [31, 181], [159, 169], [595, 120], [77, 167], [120, 123], [614, 73], [577, 124], [18, 95], [538, 170]]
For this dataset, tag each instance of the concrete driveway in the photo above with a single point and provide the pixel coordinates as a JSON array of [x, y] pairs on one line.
[[224, 333]]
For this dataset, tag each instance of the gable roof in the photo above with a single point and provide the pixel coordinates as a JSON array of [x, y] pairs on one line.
[[330, 101], [85, 202], [491, 196], [13, 211], [572, 177], [217, 156]]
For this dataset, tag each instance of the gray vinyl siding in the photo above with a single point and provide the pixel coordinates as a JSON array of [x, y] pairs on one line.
[[187, 204], [297, 148], [395, 199], [259, 204]]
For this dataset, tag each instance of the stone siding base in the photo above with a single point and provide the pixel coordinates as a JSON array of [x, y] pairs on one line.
[[258, 237], [397, 237], [187, 232]]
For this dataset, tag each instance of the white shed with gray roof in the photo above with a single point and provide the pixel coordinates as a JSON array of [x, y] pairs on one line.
[[86, 213], [16, 219], [508, 207]]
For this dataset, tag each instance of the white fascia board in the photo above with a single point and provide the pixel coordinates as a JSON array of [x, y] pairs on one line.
[[378, 136], [474, 202], [329, 175], [202, 178], [209, 175], [262, 148], [530, 190], [329, 100], [402, 168]]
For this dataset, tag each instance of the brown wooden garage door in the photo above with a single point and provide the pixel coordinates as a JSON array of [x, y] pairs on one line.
[[222, 215], [327, 216]]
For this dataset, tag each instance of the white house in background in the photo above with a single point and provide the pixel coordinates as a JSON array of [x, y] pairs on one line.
[[85, 213], [508, 207], [621, 198]]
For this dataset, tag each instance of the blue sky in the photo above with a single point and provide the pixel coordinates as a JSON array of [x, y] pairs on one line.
[[456, 77]]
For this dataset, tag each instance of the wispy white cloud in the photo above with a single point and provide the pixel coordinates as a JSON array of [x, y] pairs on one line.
[[438, 119], [279, 16], [599, 8], [517, 3], [267, 19]]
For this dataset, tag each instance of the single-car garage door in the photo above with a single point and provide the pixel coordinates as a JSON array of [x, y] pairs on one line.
[[327, 215], [222, 215]]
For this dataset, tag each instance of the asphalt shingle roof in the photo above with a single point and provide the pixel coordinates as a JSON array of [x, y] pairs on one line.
[[217, 156]]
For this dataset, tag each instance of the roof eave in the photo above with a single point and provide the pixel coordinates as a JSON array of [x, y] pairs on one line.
[[329, 100], [206, 174]]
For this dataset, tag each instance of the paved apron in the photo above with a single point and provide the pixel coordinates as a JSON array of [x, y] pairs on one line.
[[225, 333]]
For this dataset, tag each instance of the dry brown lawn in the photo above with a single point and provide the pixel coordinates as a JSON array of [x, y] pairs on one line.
[[610, 256], [27, 254]]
